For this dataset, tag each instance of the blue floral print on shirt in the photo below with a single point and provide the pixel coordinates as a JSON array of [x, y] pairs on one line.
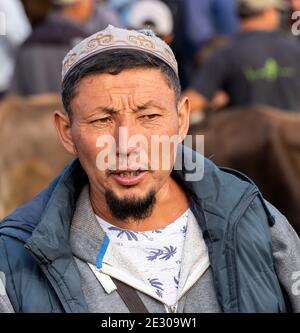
[[155, 283], [166, 253], [131, 235], [156, 254]]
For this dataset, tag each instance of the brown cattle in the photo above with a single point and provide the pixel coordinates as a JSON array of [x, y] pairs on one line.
[[30, 152], [264, 144]]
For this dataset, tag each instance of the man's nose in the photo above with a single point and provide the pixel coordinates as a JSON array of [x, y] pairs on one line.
[[123, 144], [124, 131]]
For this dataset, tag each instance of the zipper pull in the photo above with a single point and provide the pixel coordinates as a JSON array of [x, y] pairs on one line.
[[172, 309]]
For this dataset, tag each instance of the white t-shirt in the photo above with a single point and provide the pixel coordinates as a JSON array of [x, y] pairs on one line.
[[158, 252]]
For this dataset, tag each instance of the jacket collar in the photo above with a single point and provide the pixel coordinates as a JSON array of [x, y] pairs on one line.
[[86, 236], [216, 196], [215, 199]]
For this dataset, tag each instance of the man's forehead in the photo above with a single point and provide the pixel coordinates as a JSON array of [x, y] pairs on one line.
[[135, 83], [118, 98], [129, 75], [144, 99], [130, 89]]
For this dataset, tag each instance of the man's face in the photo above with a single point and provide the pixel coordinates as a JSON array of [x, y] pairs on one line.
[[295, 4], [140, 102], [85, 9], [272, 18]]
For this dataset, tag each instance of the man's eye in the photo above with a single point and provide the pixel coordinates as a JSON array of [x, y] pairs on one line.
[[101, 120], [150, 116]]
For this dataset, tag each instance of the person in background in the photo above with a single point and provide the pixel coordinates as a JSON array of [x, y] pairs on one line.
[[102, 16], [64, 24], [175, 6], [38, 66], [292, 18], [153, 14], [200, 22], [261, 66], [121, 7], [16, 28], [220, 99], [209, 18], [37, 10]]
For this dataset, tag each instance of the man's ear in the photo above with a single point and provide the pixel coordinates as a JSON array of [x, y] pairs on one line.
[[63, 125], [183, 116]]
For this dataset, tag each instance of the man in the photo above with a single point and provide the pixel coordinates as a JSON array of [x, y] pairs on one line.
[[261, 66], [38, 65], [64, 24], [14, 29], [201, 22], [114, 224]]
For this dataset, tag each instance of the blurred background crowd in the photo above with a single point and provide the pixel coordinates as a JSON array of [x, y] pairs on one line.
[[239, 63]]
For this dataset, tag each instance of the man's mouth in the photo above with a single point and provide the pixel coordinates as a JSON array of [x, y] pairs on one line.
[[128, 177], [127, 173]]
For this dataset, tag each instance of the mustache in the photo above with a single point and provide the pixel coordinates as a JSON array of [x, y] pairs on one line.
[[124, 162], [126, 165]]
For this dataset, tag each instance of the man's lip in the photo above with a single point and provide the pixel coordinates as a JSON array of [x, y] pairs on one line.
[[127, 170], [129, 181]]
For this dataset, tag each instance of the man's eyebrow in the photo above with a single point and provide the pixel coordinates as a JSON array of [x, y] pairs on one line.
[[146, 106], [111, 110], [107, 109]]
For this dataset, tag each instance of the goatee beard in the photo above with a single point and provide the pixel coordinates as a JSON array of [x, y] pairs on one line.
[[133, 208]]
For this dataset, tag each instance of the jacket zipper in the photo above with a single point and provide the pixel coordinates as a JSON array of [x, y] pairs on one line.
[[172, 309]]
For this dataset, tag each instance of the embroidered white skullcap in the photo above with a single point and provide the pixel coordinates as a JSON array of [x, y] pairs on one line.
[[113, 38]]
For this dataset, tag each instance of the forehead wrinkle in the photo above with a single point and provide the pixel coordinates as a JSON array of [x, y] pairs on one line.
[[130, 96], [128, 101]]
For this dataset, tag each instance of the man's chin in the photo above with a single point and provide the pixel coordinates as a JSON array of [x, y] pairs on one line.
[[132, 197], [130, 193], [130, 205]]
